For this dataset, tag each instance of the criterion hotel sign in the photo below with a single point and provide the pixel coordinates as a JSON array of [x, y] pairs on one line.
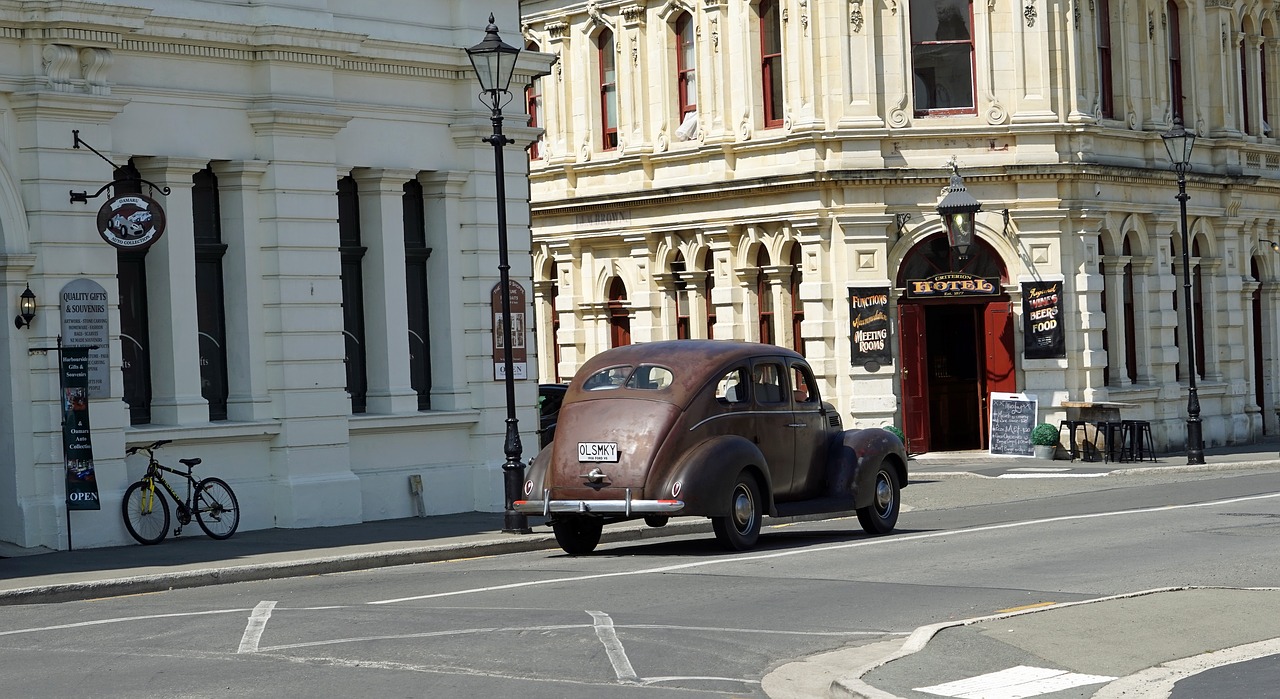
[[952, 284]]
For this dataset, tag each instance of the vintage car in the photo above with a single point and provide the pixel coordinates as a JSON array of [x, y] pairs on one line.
[[714, 428]]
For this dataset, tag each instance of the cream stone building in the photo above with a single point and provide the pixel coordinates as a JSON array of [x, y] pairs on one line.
[[772, 170], [315, 323]]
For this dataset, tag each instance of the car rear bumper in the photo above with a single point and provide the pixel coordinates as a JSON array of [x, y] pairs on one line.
[[625, 507]]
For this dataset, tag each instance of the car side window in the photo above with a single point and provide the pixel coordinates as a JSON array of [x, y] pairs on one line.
[[732, 387], [766, 380], [649, 377], [801, 391], [606, 379]]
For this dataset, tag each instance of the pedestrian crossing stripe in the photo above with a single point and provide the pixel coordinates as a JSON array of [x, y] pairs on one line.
[[1015, 683]]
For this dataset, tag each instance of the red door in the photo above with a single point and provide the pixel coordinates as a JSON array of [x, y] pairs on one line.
[[999, 373], [915, 377]]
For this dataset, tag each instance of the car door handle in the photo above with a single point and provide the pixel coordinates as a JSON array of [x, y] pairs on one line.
[[796, 424]]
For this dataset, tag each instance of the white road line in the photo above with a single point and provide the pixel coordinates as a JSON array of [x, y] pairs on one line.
[[1015, 683], [612, 646], [877, 541], [257, 624], [119, 620], [1050, 475]]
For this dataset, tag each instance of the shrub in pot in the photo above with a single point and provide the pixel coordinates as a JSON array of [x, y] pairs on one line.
[[896, 432], [1044, 440]]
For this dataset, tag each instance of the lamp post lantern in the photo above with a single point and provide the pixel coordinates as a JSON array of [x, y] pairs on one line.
[[1179, 142], [494, 62], [957, 209]]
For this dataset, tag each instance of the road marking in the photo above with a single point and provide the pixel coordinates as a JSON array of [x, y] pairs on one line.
[[1025, 607], [877, 541], [257, 624], [1051, 475], [1015, 683], [612, 646], [1042, 469], [119, 620]]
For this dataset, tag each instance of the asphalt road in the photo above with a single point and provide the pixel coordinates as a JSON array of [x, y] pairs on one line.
[[664, 618]]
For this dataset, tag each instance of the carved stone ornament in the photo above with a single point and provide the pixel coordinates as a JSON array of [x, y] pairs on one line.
[[1029, 12], [1151, 25], [855, 15], [1075, 11]]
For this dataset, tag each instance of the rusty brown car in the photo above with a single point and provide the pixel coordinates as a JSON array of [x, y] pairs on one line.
[[714, 428]]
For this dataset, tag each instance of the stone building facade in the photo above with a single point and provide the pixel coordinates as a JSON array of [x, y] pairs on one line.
[[315, 322], [756, 169]]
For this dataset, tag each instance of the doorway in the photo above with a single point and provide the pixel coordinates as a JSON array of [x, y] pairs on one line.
[[954, 376]]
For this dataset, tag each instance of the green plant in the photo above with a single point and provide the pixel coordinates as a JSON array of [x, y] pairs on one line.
[[1044, 435], [896, 432]]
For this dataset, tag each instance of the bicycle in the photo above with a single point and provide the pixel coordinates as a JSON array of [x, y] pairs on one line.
[[146, 512]]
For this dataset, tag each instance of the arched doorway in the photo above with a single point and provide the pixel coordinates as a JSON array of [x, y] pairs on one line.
[[955, 337], [619, 317]]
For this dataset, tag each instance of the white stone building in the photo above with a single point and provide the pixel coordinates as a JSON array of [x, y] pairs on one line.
[[753, 168], [315, 323]]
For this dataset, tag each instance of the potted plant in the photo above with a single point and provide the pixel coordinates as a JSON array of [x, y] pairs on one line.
[[1044, 440], [896, 432]]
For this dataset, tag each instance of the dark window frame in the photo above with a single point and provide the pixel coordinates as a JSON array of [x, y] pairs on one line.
[[417, 291], [771, 74], [351, 253], [606, 61], [135, 325], [211, 317], [921, 45]]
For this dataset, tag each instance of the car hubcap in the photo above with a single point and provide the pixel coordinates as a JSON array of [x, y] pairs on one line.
[[744, 510], [884, 495]]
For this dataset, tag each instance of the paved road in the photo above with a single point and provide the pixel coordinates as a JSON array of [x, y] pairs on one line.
[[942, 508]]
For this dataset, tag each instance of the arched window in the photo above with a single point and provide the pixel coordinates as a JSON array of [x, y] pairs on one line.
[[708, 265], [682, 298], [1130, 319], [771, 78], [797, 306], [605, 56], [619, 319], [764, 297]]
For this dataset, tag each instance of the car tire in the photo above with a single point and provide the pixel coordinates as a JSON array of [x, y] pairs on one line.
[[578, 536], [656, 521], [740, 529], [881, 515]]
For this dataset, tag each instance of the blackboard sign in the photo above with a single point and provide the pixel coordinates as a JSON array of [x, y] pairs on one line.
[[1012, 417], [1042, 335], [869, 326]]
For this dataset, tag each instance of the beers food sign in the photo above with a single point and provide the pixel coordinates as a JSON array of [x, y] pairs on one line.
[[131, 221]]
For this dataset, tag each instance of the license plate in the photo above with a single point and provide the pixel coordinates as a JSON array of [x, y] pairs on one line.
[[598, 451]]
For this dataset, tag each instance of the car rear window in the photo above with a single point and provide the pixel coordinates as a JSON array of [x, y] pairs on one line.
[[646, 377]]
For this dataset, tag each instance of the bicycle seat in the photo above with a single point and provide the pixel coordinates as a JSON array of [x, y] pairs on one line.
[[189, 462]]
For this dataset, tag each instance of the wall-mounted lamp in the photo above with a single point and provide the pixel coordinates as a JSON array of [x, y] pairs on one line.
[[901, 220], [1274, 245], [957, 209], [26, 308]]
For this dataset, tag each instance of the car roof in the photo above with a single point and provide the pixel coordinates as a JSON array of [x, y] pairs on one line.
[[694, 362]]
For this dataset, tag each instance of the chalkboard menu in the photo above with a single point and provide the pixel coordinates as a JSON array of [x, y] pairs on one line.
[[1042, 335], [1012, 417]]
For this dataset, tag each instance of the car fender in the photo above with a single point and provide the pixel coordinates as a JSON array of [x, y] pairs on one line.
[[535, 475], [856, 457], [706, 473]]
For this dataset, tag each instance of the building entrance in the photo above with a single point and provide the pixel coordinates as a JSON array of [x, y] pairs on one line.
[[956, 350]]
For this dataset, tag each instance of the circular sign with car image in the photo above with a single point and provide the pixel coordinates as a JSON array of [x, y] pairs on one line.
[[131, 221]]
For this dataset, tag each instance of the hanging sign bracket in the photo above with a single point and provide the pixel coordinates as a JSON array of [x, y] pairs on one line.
[[84, 197]]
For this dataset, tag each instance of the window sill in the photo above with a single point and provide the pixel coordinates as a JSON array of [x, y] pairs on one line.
[[208, 432], [412, 422]]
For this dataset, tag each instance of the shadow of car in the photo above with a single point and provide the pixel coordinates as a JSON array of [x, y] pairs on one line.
[[550, 396]]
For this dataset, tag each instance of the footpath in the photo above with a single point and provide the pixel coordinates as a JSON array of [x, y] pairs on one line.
[[1223, 623]]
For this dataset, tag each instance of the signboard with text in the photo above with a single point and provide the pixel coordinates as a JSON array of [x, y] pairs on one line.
[[77, 444], [1013, 415], [84, 324], [869, 326], [951, 284], [1042, 335], [519, 332]]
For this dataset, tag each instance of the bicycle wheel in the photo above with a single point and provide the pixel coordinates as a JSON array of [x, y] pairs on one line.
[[217, 511], [146, 513]]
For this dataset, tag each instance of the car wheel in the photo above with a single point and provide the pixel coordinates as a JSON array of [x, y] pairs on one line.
[[740, 530], [882, 514], [578, 536]]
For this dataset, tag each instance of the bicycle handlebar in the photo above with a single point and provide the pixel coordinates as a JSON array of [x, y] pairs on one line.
[[149, 448]]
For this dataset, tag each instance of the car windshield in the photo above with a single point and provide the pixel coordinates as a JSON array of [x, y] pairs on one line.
[[644, 377]]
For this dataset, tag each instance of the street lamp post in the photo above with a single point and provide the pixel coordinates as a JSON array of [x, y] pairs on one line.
[[494, 62], [1179, 142]]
